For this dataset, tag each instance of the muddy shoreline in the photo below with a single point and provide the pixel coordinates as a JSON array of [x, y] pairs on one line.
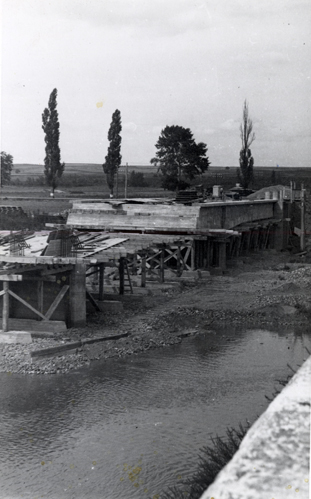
[[267, 289]]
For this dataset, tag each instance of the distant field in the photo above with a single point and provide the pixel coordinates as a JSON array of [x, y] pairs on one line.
[[89, 177], [24, 169]]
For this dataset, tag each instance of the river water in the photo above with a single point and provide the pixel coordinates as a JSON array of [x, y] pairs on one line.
[[129, 428]]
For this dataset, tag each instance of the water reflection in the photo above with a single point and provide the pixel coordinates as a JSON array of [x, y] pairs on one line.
[[127, 428]]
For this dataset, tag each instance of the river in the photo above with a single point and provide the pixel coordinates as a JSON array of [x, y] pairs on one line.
[[129, 428]]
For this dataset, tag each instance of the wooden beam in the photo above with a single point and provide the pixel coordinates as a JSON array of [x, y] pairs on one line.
[[63, 268], [143, 271], [34, 278], [179, 271], [56, 302], [101, 281], [40, 296], [162, 265], [121, 274], [5, 307], [11, 277], [92, 300], [27, 304]]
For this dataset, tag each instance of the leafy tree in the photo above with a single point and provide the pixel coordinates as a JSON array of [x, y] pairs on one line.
[[273, 177], [53, 168], [113, 158], [246, 159], [6, 168], [178, 158]]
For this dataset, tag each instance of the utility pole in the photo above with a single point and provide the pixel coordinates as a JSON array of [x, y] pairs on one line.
[[303, 213], [125, 185]]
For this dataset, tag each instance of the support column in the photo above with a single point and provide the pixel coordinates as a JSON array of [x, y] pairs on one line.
[[5, 307], [101, 282], [121, 273], [178, 261], [162, 265], [40, 297], [222, 257], [193, 255], [77, 296], [143, 271]]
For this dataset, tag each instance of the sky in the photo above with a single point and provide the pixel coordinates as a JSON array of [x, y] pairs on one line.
[[161, 62]]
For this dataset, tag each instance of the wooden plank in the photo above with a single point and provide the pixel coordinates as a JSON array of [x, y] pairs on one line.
[[11, 277], [73, 345], [26, 304], [103, 247], [56, 302]]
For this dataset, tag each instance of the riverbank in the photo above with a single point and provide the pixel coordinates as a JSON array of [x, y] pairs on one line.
[[267, 289]]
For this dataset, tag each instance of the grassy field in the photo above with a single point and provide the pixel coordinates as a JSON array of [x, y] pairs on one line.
[[88, 181]]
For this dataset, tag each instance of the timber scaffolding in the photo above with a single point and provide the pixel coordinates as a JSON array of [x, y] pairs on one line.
[[117, 247]]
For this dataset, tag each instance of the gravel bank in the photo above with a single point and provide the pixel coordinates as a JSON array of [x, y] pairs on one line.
[[264, 289]]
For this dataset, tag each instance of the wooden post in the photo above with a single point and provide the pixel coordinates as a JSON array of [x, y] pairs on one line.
[[178, 260], [143, 271], [303, 214], [193, 255], [5, 307], [162, 265], [101, 282], [134, 264], [40, 296], [222, 255], [121, 274], [77, 296]]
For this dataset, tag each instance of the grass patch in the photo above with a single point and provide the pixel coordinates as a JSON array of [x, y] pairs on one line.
[[212, 459]]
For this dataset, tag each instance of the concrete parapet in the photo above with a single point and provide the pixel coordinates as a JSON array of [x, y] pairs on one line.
[[273, 459]]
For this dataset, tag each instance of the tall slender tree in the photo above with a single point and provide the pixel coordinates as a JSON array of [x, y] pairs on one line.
[[53, 168], [113, 158], [246, 158]]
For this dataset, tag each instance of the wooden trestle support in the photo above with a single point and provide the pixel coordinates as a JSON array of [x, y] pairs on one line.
[[54, 295]]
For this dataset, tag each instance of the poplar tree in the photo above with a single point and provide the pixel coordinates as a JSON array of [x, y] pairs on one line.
[[53, 168], [246, 158], [113, 158]]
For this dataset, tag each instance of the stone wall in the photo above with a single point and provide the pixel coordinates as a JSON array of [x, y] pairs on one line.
[[273, 459]]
